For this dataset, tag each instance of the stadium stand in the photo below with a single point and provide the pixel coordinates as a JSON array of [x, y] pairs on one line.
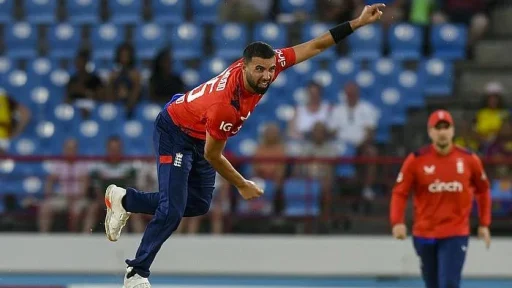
[[404, 70]]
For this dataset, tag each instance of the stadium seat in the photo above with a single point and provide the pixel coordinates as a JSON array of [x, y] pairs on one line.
[[6, 10], [212, 67], [329, 84], [137, 141], [82, 12], [406, 41], [411, 85], [292, 6], [346, 170], [438, 76], [274, 34], [392, 105], [64, 40], [6, 66], [125, 11], [18, 86], [385, 70], [368, 85], [104, 40], [302, 72], [344, 70], [91, 138], [313, 30], [187, 41], [38, 70], [50, 138], [230, 39], [448, 41], [204, 11], [149, 39], [302, 197], [169, 11], [21, 40], [40, 11], [366, 43]]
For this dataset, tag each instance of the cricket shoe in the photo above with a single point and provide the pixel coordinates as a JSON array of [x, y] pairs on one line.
[[134, 280], [116, 214]]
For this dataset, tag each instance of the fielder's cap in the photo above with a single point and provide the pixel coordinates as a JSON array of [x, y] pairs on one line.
[[440, 116]]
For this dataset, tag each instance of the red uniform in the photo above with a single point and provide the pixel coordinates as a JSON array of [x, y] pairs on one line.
[[443, 187], [221, 105]]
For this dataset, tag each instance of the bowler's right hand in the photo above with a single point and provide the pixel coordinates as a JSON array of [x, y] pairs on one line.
[[250, 190], [400, 231]]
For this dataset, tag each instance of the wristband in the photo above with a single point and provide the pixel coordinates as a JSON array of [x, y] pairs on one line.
[[341, 31]]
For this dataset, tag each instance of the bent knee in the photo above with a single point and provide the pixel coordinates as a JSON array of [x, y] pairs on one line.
[[198, 209]]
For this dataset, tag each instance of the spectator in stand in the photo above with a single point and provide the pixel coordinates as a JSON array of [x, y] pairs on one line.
[[354, 122], [84, 88], [306, 115], [271, 144], [502, 144], [71, 178], [163, 82], [319, 146], [112, 170], [473, 13], [125, 80], [14, 117], [492, 114], [467, 137]]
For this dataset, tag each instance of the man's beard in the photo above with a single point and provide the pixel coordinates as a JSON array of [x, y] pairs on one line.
[[256, 88]]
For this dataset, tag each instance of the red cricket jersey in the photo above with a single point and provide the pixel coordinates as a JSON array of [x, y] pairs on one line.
[[443, 188], [221, 105]]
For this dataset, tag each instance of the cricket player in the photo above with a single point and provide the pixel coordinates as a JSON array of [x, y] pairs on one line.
[[444, 179], [190, 135]]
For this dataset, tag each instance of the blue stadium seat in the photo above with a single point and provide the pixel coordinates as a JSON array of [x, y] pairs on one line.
[[230, 39], [65, 118], [205, 11], [39, 69], [50, 138], [137, 141], [273, 34], [21, 40], [346, 170], [329, 83], [81, 12], [386, 69], [302, 72], [92, 138], [412, 85], [40, 11], [6, 66], [438, 76], [292, 6], [302, 197], [313, 30], [263, 206], [18, 86], [64, 40], [125, 11], [344, 70], [110, 115], [169, 11], [6, 10], [449, 41], [368, 84], [149, 39], [105, 38], [212, 67], [392, 105], [406, 41], [187, 41], [366, 43], [24, 146]]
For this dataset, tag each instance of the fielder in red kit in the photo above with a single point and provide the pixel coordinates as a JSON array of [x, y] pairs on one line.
[[444, 180], [190, 136]]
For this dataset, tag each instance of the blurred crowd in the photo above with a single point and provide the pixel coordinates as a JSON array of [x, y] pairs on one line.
[[74, 190]]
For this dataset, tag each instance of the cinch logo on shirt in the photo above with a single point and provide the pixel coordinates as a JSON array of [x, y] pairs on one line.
[[439, 187]]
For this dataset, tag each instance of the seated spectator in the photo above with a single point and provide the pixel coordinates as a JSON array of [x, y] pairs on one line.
[[270, 145], [354, 122], [492, 113], [71, 178], [319, 146], [111, 170], [502, 145], [163, 83], [125, 80], [306, 115], [14, 117], [84, 88], [467, 137]]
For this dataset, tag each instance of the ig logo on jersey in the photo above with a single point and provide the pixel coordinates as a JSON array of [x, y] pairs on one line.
[[226, 127]]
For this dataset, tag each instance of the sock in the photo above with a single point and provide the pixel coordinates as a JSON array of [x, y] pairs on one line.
[[123, 202]]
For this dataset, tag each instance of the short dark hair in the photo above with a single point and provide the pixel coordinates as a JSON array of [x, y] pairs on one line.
[[258, 49]]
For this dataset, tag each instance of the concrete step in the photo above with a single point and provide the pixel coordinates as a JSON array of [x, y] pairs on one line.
[[494, 51], [501, 21], [472, 81]]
